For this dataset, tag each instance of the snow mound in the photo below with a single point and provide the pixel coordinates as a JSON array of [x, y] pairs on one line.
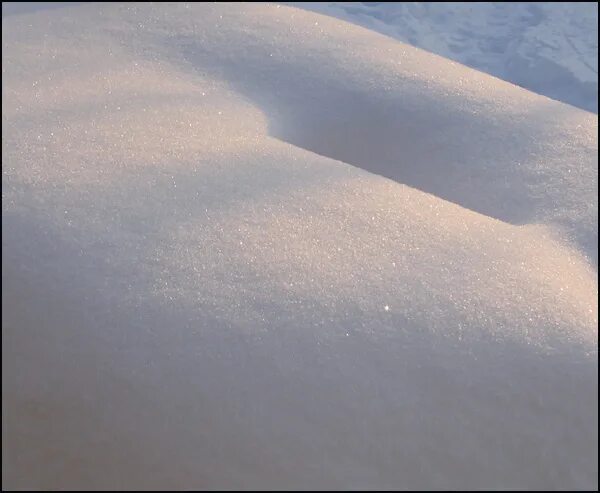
[[250, 246]]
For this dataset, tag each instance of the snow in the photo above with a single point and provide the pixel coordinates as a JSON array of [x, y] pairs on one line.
[[547, 47], [251, 246]]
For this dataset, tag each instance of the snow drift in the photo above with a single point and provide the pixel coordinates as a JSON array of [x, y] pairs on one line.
[[249, 246]]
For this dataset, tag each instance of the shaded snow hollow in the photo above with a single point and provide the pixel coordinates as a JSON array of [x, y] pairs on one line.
[[250, 246]]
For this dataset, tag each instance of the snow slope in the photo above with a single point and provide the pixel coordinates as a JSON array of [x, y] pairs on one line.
[[547, 47], [250, 246]]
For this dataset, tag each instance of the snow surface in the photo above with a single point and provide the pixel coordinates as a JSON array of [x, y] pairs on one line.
[[251, 246], [547, 47]]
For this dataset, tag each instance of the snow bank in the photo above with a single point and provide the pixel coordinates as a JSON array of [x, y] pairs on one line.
[[547, 47], [250, 246]]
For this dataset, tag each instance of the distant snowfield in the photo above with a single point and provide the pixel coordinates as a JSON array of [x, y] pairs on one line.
[[547, 47], [251, 246]]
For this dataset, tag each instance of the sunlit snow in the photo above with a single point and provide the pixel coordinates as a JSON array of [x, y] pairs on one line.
[[252, 246]]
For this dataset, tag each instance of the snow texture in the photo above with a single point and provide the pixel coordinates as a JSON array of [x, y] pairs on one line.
[[251, 246], [547, 47]]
